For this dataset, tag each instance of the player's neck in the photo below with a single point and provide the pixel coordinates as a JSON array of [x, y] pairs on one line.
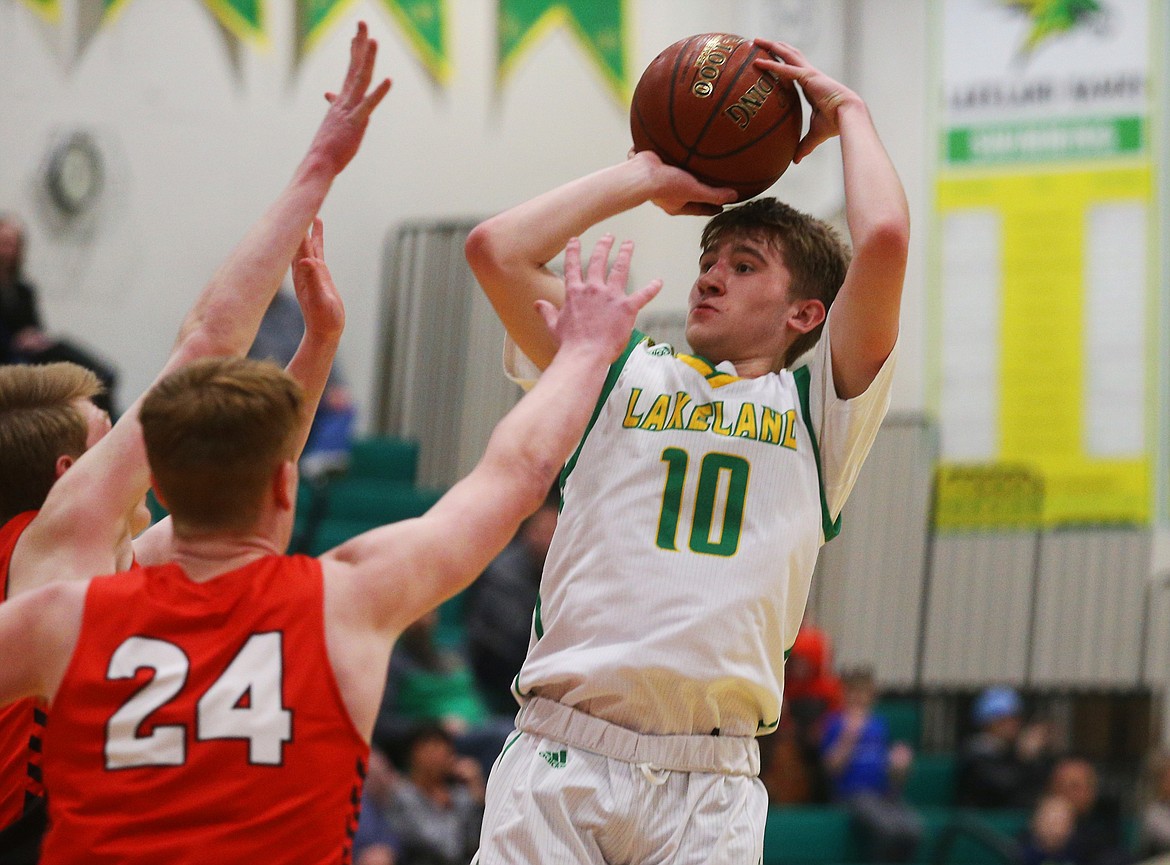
[[205, 556]]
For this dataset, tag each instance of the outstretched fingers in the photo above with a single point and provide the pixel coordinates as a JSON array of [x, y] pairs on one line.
[[599, 260], [638, 299]]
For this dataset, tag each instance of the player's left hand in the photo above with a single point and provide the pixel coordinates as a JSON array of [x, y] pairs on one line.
[[340, 133], [320, 302], [598, 314], [824, 95]]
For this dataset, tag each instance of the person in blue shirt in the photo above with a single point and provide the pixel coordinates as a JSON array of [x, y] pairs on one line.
[[866, 772]]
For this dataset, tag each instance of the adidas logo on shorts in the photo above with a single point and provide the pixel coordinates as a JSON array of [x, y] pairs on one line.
[[556, 759]]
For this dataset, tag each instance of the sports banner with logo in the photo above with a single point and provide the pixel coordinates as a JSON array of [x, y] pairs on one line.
[[1046, 263]]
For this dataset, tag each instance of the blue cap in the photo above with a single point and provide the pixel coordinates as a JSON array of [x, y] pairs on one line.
[[996, 703]]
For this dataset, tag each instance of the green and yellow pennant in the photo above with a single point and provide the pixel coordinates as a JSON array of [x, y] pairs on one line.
[[244, 19], [600, 25], [424, 22], [50, 10]]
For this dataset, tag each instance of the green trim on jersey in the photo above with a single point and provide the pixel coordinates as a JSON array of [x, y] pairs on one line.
[[537, 624], [830, 527], [615, 369]]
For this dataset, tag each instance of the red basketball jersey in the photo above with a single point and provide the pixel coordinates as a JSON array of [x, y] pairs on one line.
[[22, 724], [202, 722]]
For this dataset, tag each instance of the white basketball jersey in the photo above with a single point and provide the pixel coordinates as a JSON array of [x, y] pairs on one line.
[[692, 515]]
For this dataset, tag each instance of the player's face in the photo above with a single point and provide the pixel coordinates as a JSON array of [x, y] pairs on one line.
[[738, 305]]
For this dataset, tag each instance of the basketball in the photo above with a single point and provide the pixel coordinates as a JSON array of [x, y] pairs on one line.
[[701, 105]]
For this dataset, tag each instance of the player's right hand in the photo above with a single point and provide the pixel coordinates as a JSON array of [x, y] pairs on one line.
[[678, 192]]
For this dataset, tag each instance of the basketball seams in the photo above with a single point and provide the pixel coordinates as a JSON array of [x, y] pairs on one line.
[[668, 114], [719, 106], [793, 104]]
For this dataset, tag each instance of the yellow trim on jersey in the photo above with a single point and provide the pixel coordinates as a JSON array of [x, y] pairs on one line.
[[714, 377]]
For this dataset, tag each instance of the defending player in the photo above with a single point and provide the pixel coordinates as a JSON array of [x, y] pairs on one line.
[[47, 422], [219, 708], [694, 508]]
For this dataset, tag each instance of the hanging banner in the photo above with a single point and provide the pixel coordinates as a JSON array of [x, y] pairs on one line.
[[599, 25], [425, 24], [244, 19], [1047, 249], [50, 10]]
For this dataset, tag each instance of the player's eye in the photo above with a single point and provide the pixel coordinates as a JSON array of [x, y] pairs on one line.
[[744, 267]]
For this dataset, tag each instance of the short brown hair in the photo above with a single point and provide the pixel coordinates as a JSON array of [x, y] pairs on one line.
[[39, 422], [811, 249], [216, 432]]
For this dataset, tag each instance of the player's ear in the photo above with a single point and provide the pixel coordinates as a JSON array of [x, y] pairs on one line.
[[806, 314], [63, 463], [284, 485]]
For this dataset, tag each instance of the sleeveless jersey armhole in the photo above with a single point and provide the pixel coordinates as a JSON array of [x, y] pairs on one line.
[[830, 528]]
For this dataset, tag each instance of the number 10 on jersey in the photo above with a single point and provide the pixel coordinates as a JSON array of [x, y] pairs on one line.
[[712, 469]]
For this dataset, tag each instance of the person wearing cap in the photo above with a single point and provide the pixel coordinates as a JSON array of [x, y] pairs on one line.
[[1005, 762]]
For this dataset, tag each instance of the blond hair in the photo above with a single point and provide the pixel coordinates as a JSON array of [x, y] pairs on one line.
[[39, 423], [216, 432]]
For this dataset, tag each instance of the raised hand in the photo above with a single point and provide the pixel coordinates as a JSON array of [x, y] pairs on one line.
[[677, 191], [597, 314], [823, 94], [341, 131], [320, 302]]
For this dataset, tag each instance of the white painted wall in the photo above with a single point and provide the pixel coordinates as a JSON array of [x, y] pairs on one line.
[[196, 151]]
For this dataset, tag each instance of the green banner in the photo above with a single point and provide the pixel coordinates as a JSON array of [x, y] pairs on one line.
[[244, 19], [423, 22], [1050, 141], [600, 26]]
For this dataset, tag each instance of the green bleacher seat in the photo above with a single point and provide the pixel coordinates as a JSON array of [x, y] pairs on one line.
[[808, 835], [903, 716], [333, 532], [377, 501], [385, 457], [968, 836], [932, 780]]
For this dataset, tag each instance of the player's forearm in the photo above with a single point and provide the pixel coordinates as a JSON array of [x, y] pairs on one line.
[[539, 435], [310, 366], [227, 315], [875, 202], [535, 232]]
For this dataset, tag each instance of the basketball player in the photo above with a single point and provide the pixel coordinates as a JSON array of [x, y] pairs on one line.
[[219, 708], [47, 421], [695, 505]]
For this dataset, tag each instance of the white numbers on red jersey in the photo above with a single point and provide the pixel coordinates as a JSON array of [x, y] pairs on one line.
[[245, 702]]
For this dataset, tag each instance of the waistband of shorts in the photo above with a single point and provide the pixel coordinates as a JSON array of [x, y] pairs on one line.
[[726, 755]]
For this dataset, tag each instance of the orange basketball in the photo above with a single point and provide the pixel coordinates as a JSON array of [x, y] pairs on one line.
[[703, 106]]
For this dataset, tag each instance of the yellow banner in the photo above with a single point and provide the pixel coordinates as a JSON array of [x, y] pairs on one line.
[[1063, 251]]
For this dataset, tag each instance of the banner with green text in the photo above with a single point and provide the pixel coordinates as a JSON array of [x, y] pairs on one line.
[[1046, 259]]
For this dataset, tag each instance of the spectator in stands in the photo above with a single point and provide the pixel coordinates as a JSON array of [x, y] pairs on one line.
[[1005, 762], [23, 338], [1048, 837], [500, 605], [812, 692], [429, 683], [1154, 840], [867, 772], [376, 842], [1098, 836], [331, 436], [436, 809]]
